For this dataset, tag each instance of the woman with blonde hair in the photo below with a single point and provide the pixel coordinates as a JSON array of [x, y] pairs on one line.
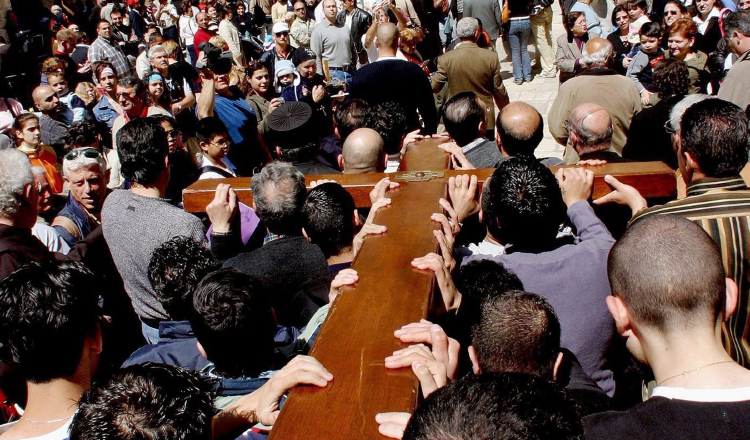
[[88, 94]]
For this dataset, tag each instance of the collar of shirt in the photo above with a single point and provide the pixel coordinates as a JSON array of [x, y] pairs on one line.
[[473, 144], [387, 58], [710, 184], [272, 237]]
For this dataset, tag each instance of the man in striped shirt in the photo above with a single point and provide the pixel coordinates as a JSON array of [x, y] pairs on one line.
[[711, 144]]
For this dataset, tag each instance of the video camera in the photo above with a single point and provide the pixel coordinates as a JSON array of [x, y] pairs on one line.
[[218, 62]]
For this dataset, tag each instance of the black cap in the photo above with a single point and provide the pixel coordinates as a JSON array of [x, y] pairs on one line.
[[302, 54], [289, 116]]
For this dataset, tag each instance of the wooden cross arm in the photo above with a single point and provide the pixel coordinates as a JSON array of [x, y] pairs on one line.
[[651, 179]]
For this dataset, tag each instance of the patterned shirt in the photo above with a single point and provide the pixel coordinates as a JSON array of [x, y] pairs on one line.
[[103, 50], [722, 208]]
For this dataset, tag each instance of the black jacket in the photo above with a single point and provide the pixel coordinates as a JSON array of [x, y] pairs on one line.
[[361, 21]]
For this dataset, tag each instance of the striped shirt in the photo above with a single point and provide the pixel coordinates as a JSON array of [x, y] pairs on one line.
[[722, 208]]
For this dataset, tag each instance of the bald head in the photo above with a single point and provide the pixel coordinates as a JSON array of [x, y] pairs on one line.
[[45, 99], [387, 36], [520, 129], [363, 152], [598, 53], [590, 128]]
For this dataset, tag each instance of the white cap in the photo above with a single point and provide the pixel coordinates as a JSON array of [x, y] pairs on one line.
[[280, 26]]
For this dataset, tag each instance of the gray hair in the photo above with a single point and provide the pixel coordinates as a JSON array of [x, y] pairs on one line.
[[153, 50], [737, 21], [591, 137], [38, 171], [15, 174], [82, 161], [679, 109], [467, 28], [279, 193], [599, 57]]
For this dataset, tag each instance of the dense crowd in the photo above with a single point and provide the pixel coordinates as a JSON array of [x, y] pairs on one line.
[[123, 316]]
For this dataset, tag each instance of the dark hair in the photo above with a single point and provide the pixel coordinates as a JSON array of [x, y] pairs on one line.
[[146, 401], [523, 205], [47, 309], [715, 132], [175, 269], [350, 116], [683, 9], [650, 29], [483, 279], [389, 120], [142, 147], [21, 120], [671, 78], [101, 65], [570, 21], [164, 118], [639, 3], [300, 151], [329, 211], [208, 128], [231, 308], [254, 66], [618, 8], [500, 406], [131, 81], [517, 332], [82, 133], [668, 272], [278, 193], [462, 115]]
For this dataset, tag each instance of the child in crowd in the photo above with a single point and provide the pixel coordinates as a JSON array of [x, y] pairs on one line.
[[68, 99], [638, 17], [287, 80], [214, 141], [29, 140], [641, 69]]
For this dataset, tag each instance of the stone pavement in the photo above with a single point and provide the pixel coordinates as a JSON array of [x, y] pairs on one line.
[[541, 92]]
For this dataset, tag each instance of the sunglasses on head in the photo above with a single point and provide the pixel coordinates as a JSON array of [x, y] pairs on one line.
[[89, 152]]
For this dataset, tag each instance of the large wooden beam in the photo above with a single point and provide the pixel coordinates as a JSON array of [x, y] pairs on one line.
[[358, 333], [652, 179]]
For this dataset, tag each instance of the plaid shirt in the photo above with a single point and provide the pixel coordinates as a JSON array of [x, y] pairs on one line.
[[103, 50], [722, 208]]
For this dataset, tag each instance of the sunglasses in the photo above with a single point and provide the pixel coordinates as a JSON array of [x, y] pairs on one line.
[[89, 152], [278, 34], [668, 13], [174, 134]]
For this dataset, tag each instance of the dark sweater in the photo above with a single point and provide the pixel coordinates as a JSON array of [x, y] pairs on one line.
[[283, 266], [399, 81], [18, 247], [648, 140], [663, 418]]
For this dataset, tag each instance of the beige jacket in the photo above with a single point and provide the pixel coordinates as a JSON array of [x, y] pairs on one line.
[[736, 86]]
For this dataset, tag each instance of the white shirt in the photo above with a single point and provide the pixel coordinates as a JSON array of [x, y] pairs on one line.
[[228, 167], [166, 18], [50, 238], [61, 433], [704, 395]]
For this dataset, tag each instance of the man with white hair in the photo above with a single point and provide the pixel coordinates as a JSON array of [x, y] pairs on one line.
[[469, 68], [85, 171], [177, 87], [598, 84], [18, 200]]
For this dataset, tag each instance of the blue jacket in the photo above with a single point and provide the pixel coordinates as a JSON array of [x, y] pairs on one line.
[[176, 346]]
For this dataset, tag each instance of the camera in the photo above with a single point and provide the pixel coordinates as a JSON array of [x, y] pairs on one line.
[[217, 61]]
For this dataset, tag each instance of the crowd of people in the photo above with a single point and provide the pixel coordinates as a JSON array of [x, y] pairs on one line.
[[120, 312]]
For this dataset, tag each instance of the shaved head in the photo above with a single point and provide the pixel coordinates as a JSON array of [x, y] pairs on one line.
[[387, 36], [363, 152], [669, 274], [591, 128], [520, 128]]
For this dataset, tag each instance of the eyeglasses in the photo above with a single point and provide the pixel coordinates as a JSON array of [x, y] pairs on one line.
[[129, 95], [89, 152], [668, 128], [668, 13], [222, 143]]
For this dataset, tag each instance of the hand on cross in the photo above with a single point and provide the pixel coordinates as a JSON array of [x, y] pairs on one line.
[[575, 184], [458, 158], [622, 194], [450, 295], [392, 424], [345, 277], [378, 192], [445, 239], [464, 198], [222, 209], [431, 373], [444, 349]]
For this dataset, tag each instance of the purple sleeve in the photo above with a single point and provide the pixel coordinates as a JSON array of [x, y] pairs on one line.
[[588, 225]]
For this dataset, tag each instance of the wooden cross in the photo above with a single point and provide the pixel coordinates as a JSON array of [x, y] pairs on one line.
[[358, 333]]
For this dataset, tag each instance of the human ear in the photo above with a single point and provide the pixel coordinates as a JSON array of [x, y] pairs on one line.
[[731, 302], [619, 312], [474, 362]]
